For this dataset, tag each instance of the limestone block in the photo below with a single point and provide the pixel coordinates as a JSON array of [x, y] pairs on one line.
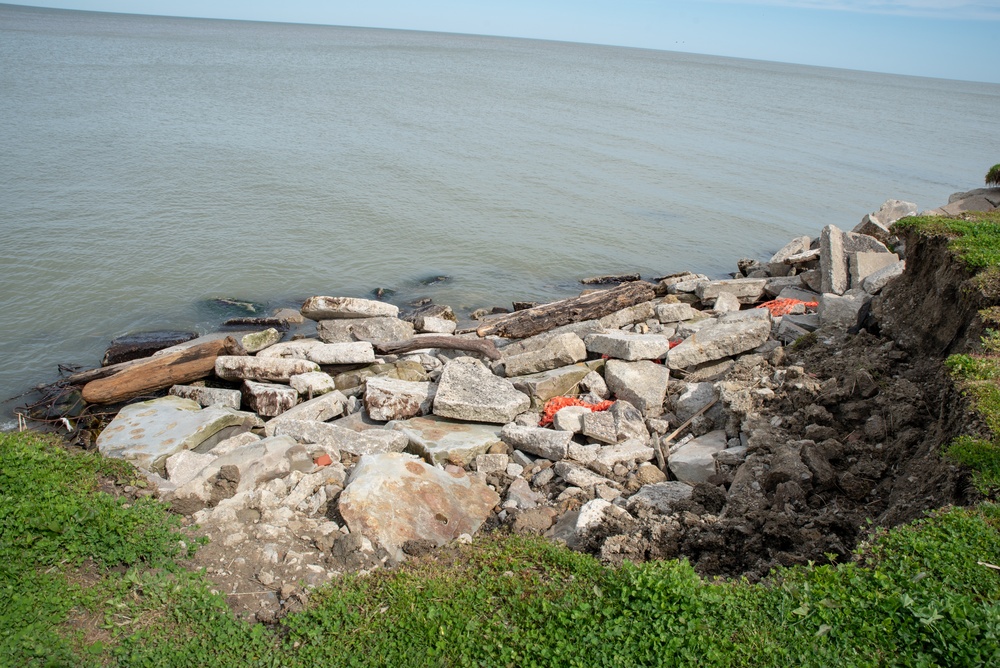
[[877, 224], [629, 315], [667, 313], [148, 432], [833, 261], [290, 349], [542, 386], [492, 463], [392, 399], [747, 290], [332, 436], [862, 243], [356, 352], [731, 334], [558, 352], [548, 443], [254, 342], [570, 419], [600, 426], [865, 264], [439, 440], [208, 396], [726, 302], [322, 408], [468, 390], [431, 325], [333, 308], [231, 367], [775, 285], [629, 422], [578, 476], [628, 453], [694, 462], [380, 329], [643, 384], [267, 399], [877, 280], [313, 384], [776, 265], [629, 347], [395, 498], [841, 312]]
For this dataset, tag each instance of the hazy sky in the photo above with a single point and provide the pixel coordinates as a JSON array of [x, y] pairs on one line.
[[938, 38]]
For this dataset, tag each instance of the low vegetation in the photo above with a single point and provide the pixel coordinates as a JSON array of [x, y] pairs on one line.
[[975, 236], [91, 579]]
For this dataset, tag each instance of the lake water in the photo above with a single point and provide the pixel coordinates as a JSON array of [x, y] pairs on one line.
[[148, 165]]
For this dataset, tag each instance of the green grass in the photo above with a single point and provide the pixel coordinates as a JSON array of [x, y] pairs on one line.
[[90, 580], [975, 236]]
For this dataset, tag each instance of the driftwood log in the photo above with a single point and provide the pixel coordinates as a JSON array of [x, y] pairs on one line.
[[155, 373], [522, 324], [487, 348]]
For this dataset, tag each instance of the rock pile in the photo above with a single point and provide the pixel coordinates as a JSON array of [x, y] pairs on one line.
[[347, 458]]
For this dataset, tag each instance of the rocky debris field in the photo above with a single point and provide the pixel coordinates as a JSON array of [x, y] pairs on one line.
[[741, 423]]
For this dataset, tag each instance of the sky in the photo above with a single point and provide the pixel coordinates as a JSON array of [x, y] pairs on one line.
[[948, 39]]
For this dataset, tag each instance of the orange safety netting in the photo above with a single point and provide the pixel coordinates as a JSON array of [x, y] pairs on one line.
[[779, 307], [553, 405]]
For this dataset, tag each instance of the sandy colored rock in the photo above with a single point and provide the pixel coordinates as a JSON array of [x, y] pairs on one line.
[[331, 308], [395, 498], [229, 367], [467, 390]]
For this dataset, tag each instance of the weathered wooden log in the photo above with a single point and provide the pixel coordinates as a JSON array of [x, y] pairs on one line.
[[487, 348], [156, 373], [522, 324]]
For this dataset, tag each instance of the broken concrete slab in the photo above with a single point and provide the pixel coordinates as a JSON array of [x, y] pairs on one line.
[[548, 443], [334, 308], [395, 498], [467, 390], [841, 311], [313, 383], [667, 313], [727, 336], [290, 349], [747, 290], [776, 266], [148, 432], [332, 436], [863, 265], [643, 384], [628, 347], [208, 396], [355, 352], [874, 283], [375, 330], [440, 440], [629, 453], [231, 367], [320, 409], [542, 386], [392, 399], [558, 351], [267, 399]]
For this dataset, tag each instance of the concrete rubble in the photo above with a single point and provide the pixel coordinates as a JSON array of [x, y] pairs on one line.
[[378, 456]]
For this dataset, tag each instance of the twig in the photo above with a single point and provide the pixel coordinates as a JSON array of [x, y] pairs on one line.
[[983, 563]]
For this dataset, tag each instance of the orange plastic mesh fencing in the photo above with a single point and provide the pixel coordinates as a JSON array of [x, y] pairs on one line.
[[779, 307], [553, 406]]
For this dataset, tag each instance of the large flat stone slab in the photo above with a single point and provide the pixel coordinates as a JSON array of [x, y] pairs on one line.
[[148, 432], [395, 498], [331, 308], [355, 352], [208, 396], [726, 337], [548, 443], [440, 440], [747, 290], [322, 408], [364, 329], [467, 390], [628, 347], [233, 367], [558, 351], [336, 437]]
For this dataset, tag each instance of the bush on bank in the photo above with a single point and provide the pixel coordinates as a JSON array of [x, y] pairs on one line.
[[89, 579]]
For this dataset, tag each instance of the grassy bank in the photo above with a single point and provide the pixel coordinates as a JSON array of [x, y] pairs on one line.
[[88, 579]]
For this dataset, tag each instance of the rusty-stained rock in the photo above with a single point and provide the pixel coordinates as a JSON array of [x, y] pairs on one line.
[[394, 498]]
